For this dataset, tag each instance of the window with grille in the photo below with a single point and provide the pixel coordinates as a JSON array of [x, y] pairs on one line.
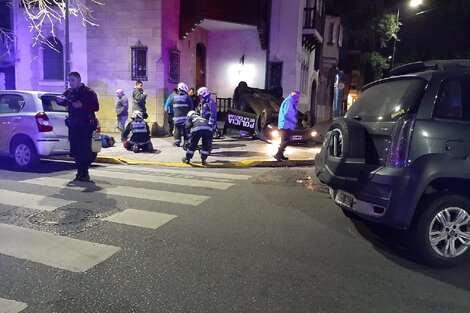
[[139, 62]]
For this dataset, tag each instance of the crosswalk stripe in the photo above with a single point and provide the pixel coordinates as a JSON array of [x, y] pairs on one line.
[[140, 218], [57, 251], [201, 173], [11, 306], [161, 179], [140, 193], [31, 201]]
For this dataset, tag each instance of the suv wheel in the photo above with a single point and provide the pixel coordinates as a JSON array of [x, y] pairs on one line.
[[442, 234], [24, 154]]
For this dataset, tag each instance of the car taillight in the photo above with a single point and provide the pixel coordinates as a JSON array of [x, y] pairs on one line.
[[42, 121], [401, 142]]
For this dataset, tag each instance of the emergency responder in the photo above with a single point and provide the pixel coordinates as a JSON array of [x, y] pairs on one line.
[[182, 104], [208, 107], [199, 128], [140, 138], [82, 103]]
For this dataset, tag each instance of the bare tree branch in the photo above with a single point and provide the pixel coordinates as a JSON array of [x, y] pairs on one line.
[[42, 13]]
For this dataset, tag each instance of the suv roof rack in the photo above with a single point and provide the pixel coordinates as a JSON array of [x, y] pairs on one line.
[[422, 66]]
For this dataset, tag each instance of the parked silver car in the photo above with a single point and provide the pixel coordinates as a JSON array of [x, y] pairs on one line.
[[32, 125]]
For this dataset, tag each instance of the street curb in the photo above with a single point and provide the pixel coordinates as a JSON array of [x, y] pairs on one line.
[[237, 164]]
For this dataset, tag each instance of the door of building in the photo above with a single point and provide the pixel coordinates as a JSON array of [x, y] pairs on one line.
[[200, 65]]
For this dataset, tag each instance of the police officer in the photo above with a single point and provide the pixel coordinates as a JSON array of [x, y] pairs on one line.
[[82, 103], [199, 128], [140, 134], [182, 104]]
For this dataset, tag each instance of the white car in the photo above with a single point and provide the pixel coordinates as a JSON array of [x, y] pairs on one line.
[[32, 125]]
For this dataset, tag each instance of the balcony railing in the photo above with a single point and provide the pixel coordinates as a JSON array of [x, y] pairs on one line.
[[312, 19]]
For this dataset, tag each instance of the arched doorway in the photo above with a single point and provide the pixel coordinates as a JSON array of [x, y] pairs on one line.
[[313, 103], [200, 65]]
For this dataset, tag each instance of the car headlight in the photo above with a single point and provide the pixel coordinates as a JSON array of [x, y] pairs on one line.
[[314, 133], [274, 134]]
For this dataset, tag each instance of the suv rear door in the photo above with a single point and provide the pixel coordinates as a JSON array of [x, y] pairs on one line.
[[378, 108]]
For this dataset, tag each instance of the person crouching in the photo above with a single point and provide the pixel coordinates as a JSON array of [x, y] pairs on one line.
[[198, 128], [140, 139]]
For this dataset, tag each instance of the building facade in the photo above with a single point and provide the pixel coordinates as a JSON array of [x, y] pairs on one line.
[[209, 43]]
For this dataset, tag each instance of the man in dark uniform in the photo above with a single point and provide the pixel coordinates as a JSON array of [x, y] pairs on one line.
[[82, 103], [182, 104], [199, 128], [139, 99]]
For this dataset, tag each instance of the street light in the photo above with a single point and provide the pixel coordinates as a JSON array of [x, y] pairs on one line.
[[413, 4]]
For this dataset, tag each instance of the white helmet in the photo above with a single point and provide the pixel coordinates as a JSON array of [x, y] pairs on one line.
[[203, 92], [183, 87], [191, 113], [137, 114]]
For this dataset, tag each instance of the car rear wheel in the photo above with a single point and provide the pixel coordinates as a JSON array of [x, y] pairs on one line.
[[24, 154], [442, 233]]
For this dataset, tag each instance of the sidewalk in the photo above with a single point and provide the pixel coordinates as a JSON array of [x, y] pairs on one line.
[[227, 152]]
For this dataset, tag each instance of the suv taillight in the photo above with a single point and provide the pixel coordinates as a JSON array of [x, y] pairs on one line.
[[42, 121], [401, 142]]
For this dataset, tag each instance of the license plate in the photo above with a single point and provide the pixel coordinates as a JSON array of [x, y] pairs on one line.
[[344, 199], [297, 137]]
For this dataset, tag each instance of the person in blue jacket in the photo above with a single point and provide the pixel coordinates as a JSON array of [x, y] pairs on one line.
[[287, 122], [168, 108]]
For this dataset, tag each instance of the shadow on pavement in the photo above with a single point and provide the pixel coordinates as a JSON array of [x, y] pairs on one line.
[[393, 244]]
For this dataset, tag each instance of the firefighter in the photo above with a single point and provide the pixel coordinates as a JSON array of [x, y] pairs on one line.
[[208, 107], [198, 128], [140, 138], [182, 104]]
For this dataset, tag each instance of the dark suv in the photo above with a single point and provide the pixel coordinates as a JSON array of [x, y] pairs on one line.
[[401, 157]]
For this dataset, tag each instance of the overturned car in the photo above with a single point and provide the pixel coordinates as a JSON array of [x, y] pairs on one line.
[[256, 111]]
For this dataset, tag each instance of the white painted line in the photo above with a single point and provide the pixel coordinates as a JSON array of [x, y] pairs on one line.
[[140, 193], [190, 182], [11, 306], [57, 251], [30, 201], [140, 218], [201, 173]]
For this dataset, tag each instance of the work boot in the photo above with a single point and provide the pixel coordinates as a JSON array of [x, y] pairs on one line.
[[284, 158], [185, 160], [280, 158], [204, 162], [85, 177], [176, 144]]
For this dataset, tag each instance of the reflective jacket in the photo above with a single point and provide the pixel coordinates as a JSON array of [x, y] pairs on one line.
[[182, 104], [208, 110], [140, 131], [287, 118], [196, 123]]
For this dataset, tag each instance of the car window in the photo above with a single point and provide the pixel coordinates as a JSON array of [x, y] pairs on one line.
[[50, 105], [453, 100], [387, 101], [11, 103]]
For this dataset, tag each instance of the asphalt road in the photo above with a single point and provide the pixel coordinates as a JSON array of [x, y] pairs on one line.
[[144, 239]]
